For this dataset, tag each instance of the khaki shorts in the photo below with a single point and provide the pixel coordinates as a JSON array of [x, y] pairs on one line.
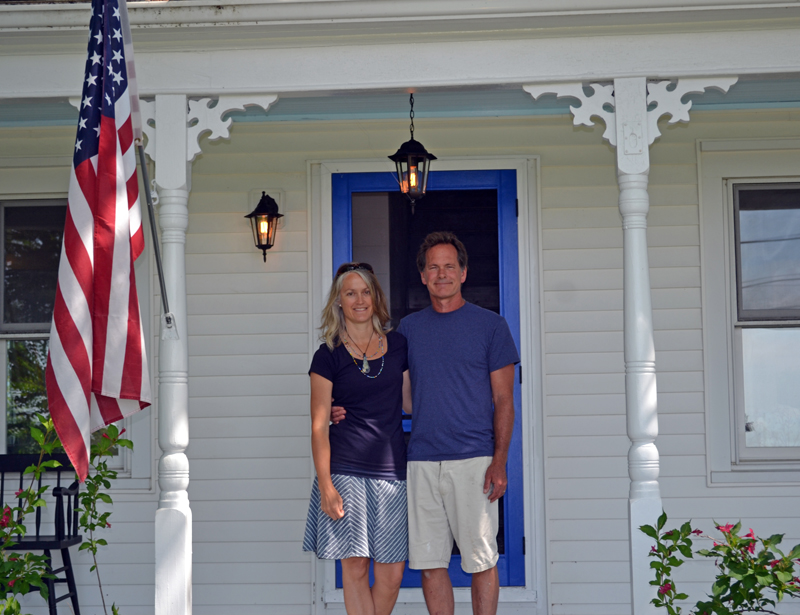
[[446, 501]]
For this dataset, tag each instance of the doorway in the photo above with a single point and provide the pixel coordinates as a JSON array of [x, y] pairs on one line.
[[373, 222]]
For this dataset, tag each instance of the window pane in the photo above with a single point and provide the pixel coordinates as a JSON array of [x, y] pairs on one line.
[[25, 392], [32, 237], [771, 362]]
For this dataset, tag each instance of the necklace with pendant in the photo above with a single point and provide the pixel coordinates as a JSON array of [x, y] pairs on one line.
[[365, 369]]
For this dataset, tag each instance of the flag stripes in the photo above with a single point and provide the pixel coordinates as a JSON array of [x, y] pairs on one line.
[[97, 366]]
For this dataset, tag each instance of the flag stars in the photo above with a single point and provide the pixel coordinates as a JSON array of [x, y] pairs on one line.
[[99, 37], [108, 99], [96, 58], [87, 102], [117, 35], [117, 77], [116, 12], [91, 80], [117, 56], [78, 145], [82, 123]]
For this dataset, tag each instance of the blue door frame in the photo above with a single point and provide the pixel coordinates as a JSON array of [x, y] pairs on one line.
[[511, 566]]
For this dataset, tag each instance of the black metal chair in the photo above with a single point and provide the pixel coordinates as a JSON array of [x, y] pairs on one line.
[[65, 521]]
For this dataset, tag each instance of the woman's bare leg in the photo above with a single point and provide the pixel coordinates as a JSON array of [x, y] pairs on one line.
[[386, 586], [355, 583]]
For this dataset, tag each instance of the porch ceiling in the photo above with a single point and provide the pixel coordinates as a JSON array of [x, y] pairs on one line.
[[748, 93]]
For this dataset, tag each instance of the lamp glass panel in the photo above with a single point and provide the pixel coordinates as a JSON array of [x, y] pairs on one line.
[[272, 228]]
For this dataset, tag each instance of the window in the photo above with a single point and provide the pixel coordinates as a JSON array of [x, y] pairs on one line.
[[30, 240], [767, 336], [750, 251]]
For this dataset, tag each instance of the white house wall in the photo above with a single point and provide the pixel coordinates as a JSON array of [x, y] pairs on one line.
[[249, 345]]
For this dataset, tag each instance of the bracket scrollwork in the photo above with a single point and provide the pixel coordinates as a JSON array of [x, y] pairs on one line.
[[600, 103], [667, 100], [663, 98], [203, 118]]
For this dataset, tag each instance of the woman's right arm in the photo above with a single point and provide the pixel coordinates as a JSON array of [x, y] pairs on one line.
[[321, 391], [407, 397]]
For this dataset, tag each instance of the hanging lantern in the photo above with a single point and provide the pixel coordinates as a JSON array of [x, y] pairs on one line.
[[264, 222], [413, 163]]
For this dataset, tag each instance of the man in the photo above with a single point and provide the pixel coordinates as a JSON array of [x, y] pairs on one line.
[[461, 362]]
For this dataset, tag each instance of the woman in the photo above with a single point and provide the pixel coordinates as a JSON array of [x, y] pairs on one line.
[[358, 502]]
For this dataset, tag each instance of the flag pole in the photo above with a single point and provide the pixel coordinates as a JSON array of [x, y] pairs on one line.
[[168, 317], [136, 123]]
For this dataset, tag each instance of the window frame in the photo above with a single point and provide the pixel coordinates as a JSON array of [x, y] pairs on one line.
[[722, 164], [135, 472], [743, 453]]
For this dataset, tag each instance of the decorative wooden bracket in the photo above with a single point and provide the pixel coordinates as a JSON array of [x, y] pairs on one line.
[[203, 116], [665, 95]]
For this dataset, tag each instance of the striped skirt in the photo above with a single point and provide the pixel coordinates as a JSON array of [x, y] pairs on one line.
[[374, 525]]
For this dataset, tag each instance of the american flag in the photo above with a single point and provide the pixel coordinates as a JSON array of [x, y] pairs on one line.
[[97, 365]]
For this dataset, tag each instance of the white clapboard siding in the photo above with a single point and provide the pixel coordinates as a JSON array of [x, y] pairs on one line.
[[249, 337]]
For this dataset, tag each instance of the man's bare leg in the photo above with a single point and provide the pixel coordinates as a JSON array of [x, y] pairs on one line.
[[485, 592], [438, 591]]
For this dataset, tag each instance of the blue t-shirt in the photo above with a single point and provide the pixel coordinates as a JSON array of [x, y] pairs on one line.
[[450, 357], [369, 443]]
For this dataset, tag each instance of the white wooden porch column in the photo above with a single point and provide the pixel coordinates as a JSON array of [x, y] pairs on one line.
[[173, 143], [173, 539], [632, 128], [633, 167]]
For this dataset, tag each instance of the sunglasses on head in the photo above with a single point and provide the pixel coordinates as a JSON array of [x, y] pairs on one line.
[[348, 267]]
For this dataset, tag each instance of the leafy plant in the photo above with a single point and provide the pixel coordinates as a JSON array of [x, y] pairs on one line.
[[753, 573], [20, 573], [94, 495]]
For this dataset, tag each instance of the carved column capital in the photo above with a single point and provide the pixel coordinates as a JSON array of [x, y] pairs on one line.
[[203, 115], [663, 98]]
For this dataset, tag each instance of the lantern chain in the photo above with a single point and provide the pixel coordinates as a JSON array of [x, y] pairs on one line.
[[411, 115]]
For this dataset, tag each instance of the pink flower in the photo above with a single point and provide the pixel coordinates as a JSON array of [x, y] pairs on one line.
[[653, 550], [752, 547], [11, 582], [18, 493], [123, 431], [668, 533], [774, 563], [697, 532], [105, 435], [664, 588], [750, 534], [725, 529]]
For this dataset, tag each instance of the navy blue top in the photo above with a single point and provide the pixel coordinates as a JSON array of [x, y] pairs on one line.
[[450, 357], [369, 443]]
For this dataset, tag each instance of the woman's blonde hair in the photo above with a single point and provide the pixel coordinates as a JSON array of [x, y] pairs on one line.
[[332, 316]]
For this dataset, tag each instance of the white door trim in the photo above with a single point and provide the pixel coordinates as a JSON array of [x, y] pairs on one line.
[[320, 278]]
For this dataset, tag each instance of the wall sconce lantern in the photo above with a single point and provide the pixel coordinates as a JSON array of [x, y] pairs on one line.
[[264, 222], [413, 163]]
